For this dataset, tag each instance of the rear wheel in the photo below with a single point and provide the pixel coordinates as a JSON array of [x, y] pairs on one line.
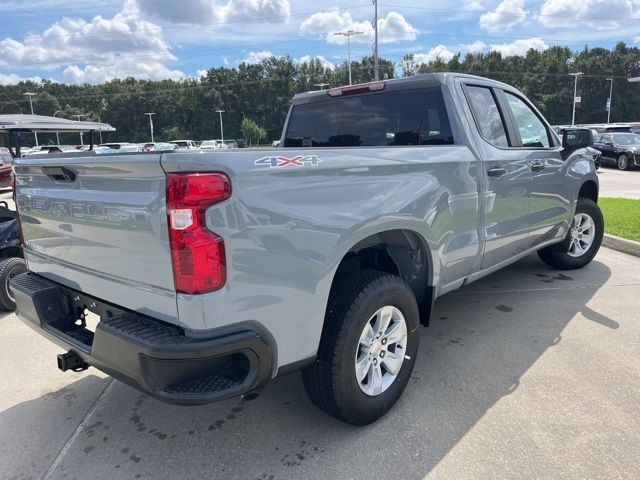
[[9, 268], [623, 162], [368, 347], [582, 242]]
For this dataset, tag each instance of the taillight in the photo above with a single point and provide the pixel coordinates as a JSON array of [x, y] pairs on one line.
[[198, 256]]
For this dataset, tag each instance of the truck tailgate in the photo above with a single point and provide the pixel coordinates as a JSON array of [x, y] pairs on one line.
[[98, 224]]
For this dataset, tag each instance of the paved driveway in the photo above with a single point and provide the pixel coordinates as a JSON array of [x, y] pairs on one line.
[[528, 373], [615, 183]]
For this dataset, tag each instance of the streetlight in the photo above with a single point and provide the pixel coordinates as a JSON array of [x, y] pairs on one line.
[[151, 114], [375, 41], [220, 112], [348, 34], [321, 85], [575, 91], [610, 100], [30, 95]]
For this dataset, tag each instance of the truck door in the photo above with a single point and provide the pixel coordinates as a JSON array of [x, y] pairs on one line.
[[508, 177], [549, 198]]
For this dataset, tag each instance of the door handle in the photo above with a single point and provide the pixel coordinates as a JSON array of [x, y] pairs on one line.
[[496, 172], [537, 167]]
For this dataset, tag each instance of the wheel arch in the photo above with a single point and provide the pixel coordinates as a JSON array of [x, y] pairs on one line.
[[589, 189], [400, 251]]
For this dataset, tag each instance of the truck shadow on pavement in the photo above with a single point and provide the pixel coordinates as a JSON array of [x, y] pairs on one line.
[[481, 342]]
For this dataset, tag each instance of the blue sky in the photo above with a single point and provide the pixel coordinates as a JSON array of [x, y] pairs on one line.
[[90, 41]]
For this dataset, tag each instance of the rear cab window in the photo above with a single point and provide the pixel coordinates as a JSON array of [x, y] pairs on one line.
[[394, 118], [487, 115]]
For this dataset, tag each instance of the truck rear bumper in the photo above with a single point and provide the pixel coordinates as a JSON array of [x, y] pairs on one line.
[[145, 353]]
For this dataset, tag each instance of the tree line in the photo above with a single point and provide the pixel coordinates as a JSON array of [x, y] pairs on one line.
[[262, 92]]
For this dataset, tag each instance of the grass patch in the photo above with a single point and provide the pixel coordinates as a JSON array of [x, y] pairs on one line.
[[621, 217]]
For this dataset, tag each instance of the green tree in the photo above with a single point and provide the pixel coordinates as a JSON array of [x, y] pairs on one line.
[[251, 131]]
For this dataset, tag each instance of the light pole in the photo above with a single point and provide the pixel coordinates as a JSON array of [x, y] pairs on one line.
[[151, 114], [610, 102], [79, 116], [375, 44], [348, 34], [30, 95], [321, 85], [575, 91], [220, 112]]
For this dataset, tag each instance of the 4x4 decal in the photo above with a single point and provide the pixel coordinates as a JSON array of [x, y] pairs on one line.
[[296, 161]]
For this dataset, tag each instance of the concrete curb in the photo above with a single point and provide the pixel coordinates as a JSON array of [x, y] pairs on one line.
[[621, 244]]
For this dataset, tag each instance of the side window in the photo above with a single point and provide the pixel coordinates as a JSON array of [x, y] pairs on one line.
[[597, 139], [533, 132], [487, 116]]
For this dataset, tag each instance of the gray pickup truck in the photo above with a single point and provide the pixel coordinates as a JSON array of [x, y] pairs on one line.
[[198, 276]]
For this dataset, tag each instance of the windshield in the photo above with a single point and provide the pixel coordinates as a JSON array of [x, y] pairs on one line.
[[207, 143], [626, 139]]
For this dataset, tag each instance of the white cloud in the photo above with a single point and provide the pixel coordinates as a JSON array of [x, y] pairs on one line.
[[439, 51], [520, 47], [323, 61], [507, 14], [12, 79], [96, 50], [225, 60], [475, 47], [147, 70], [257, 57], [74, 39], [209, 11], [201, 73], [594, 13], [392, 28]]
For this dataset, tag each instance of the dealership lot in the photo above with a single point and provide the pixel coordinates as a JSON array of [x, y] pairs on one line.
[[527, 373], [616, 183]]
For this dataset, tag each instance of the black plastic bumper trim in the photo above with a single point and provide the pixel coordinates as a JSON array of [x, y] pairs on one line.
[[143, 352]]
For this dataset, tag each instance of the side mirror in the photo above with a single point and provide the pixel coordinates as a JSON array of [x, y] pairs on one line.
[[575, 138], [608, 143]]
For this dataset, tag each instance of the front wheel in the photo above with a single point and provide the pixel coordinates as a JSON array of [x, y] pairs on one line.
[[623, 162], [582, 242], [368, 347]]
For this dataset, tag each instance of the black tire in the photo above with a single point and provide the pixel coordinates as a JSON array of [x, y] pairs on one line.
[[622, 162], [330, 381], [9, 268], [558, 256]]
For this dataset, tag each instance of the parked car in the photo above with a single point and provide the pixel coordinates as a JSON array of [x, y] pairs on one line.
[[47, 150], [231, 143], [241, 143], [621, 150], [185, 144], [213, 273], [213, 145], [115, 145], [159, 147], [275, 143], [6, 162]]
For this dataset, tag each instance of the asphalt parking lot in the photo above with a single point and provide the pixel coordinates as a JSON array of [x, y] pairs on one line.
[[528, 373], [615, 183]]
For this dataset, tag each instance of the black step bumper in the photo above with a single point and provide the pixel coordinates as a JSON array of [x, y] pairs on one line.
[[145, 353]]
